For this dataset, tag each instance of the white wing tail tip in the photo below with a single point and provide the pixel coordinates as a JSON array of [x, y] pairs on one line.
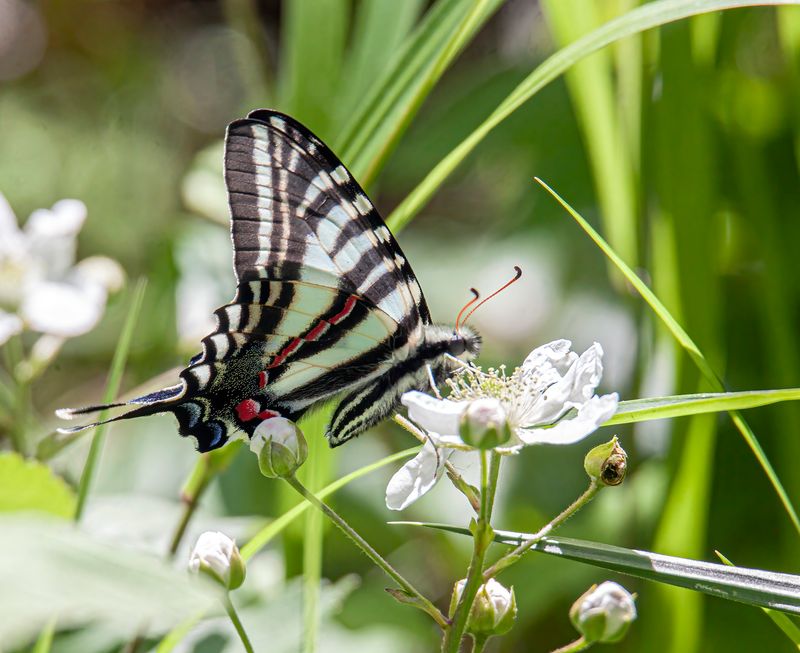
[[66, 413]]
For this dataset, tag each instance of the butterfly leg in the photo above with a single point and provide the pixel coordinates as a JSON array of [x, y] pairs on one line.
[[432, 381]]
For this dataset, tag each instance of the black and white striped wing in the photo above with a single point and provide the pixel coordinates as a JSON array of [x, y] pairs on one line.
[[297, 213]]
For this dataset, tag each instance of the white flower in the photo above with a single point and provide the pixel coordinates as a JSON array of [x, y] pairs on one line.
[[604, 613], [493, 610], [549, 399], [40, 284], [217, 555]]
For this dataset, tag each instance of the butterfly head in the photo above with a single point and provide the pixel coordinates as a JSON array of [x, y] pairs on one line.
[[465, 343]]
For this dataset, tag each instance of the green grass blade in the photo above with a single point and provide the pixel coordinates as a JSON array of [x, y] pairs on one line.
[[653, 14], [778, 618], [379, 29], [368, 138], [756, 587], [691, 348], [313, 37], [112, 389], [642, 410], [591, 86], [45, 640]]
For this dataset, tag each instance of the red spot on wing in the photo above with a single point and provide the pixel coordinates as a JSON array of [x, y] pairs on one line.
[[263, 377], [249, 409], [288, 349]]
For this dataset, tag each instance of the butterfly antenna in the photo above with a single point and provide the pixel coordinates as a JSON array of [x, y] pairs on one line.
[[467, 305], [517, 275]]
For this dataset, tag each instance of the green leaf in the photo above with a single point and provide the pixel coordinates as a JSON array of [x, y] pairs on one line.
[[689, 346], [641, 410], [757, 587], [29, 485], [49, 568], [652, 14]]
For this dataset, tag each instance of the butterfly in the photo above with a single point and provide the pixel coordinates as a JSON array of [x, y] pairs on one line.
[[326, 304]]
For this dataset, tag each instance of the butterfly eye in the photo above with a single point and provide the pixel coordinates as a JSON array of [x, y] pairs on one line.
[[457, 345]]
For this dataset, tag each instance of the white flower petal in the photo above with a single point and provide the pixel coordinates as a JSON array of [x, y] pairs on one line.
[[10, 324], [65, 219], [416, 477], [553, 354], [10, 235], [51, 236], [438, 415], [589, 370], [568, 431], [100, 270], [63, 309]]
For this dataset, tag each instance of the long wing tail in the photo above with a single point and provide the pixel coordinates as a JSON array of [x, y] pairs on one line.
[[159, 401]]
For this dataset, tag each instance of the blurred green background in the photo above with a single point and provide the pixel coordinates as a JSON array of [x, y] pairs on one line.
[[680, 145]]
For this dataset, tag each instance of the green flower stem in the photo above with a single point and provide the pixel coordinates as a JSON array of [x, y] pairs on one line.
[[190, 502], [416, 598], [237, 623], [482, 536], [579, 644], [517, 553], [480, 643]]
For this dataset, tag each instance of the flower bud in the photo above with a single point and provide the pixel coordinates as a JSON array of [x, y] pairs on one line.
[[607, 463], [484, 424], [604, 613], [280, 446], [494, 609], [218, 556]]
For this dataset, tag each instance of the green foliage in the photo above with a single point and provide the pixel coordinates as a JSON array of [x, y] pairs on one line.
[[28, 485]]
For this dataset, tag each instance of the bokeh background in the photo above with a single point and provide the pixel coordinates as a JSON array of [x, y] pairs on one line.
[[680, 145]]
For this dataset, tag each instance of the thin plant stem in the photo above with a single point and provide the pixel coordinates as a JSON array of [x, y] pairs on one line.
[[417, 598], [114, 379], [579, 644], [516, 554], [237, 623], [480, 643], [452, 473], [482, 537]]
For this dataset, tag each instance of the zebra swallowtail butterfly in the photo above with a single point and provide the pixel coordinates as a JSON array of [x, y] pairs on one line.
[[326, 304]]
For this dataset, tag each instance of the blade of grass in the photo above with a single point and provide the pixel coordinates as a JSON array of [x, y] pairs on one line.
[[756, 587], [112, 389], [366, 140], [778, 618], [380, 28], [653, 14], [314, 33], [688, 344], [591, 87], [640, 410]]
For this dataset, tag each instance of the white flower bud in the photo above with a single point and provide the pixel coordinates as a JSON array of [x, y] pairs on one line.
[[280, 446], [484, 424], [218, 556], [604, 613], [494, 609]]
